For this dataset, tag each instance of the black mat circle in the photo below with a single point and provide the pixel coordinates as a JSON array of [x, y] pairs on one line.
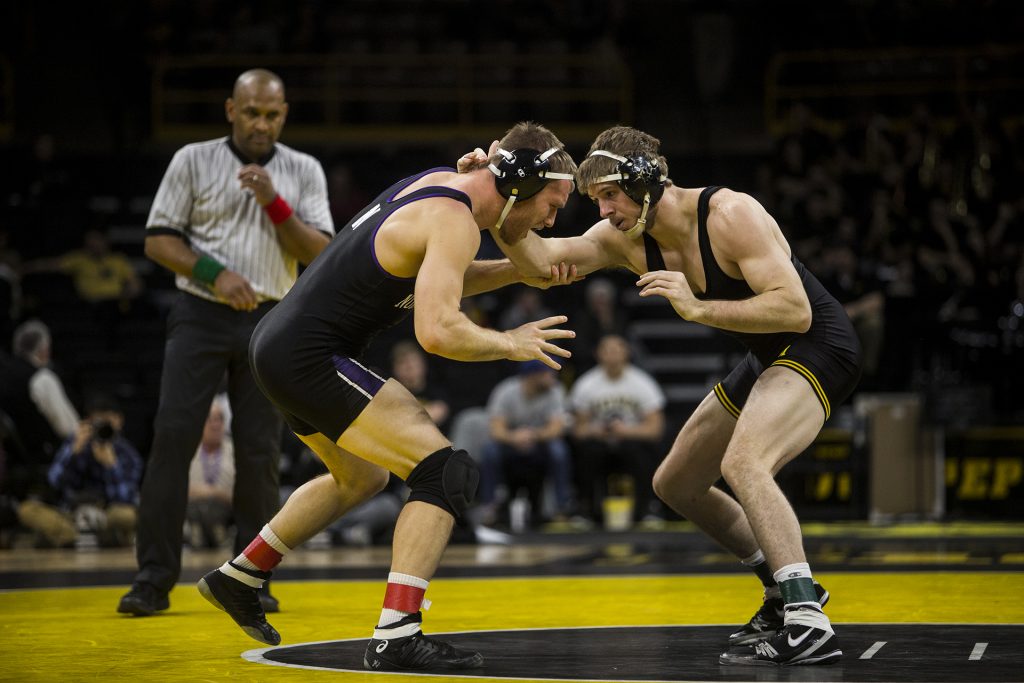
[[967, 653]]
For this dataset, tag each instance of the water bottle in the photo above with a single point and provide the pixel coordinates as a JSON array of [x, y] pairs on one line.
[[519, 514]]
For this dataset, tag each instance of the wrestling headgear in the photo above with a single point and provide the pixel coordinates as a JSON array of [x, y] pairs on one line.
[[640, 177], [522, 173]]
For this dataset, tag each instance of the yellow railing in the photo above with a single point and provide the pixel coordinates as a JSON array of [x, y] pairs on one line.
[[829, 81], [392, 98]]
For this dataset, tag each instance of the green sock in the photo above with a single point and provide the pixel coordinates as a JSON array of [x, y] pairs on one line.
[[798, 590]]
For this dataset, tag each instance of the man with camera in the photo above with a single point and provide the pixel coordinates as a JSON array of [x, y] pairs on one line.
[[97, 474]]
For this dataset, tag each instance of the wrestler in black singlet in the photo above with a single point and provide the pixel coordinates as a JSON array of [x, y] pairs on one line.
[[305, 352], [827, 355]]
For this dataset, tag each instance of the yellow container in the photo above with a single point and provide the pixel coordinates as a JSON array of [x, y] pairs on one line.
[[618, 513]]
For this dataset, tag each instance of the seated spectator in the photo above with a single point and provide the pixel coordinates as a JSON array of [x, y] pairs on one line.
[[97, 475], [856, 288], [99, 274], [103, 279], [528, 420], [527, 305], [33, 396], [601, 315], [373, 521], [409, 367], [211, 480], [618, 420]]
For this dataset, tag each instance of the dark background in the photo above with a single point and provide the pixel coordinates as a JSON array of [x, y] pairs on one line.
[[88, 123]]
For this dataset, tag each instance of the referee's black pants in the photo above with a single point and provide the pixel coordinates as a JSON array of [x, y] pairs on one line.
[[205, 340]]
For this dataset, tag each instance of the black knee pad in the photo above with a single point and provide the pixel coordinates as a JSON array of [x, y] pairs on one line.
[[460, 479], [447, 479]]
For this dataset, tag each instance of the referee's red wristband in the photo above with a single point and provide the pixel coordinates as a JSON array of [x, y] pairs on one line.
[[278, 210]]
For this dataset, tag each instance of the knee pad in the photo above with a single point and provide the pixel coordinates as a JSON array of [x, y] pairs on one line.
[[460, 479], [447, 478]]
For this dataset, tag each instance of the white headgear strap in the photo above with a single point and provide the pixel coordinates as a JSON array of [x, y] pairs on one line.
[[508, 207]]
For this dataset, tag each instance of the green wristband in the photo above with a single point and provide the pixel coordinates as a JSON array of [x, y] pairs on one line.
[[207, 269]]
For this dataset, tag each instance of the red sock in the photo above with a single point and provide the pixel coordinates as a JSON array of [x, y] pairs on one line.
[[404, 596], [406, 599], [264, 553]]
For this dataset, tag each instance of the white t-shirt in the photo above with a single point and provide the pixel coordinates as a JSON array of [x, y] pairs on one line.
[[630, 397]]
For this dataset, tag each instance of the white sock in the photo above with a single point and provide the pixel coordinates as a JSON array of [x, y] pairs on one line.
[[754, 560], [797, 570]]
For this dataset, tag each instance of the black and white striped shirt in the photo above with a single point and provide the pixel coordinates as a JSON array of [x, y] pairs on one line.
[[201, 199]]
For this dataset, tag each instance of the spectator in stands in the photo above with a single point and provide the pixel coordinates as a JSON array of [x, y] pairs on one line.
[[223, 221], [618, 421], [980, 150], [528, 421], [853, 285], [601, 315], [104, 280], [102, 277], [803, 129], [372, 521], [34, 398], [526, 306], [409, 366], [36, 415], [211, 480], [97, 473]]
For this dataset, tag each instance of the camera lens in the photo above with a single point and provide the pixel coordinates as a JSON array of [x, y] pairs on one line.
[[103, 430]]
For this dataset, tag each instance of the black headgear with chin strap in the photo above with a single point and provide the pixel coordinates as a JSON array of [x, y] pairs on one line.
[[522, 173], [639, 176]]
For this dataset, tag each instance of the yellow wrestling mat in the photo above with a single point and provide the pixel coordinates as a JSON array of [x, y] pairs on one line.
[[76, 635]]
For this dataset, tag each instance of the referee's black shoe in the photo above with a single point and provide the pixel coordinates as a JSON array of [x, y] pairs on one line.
[[143, 600], [417, 652], [807, 638], [768, 619], [268, 601], [241, 601]]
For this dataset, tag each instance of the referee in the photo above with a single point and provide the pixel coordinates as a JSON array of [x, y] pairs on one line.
[[232, 219]]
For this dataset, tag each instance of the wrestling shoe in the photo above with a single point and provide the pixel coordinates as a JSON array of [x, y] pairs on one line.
[[143, 600], [806, 638], [416, 651], [769, 618], [241, 601]]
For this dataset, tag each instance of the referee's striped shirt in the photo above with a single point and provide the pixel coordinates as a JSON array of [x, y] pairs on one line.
[[200, 199]]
